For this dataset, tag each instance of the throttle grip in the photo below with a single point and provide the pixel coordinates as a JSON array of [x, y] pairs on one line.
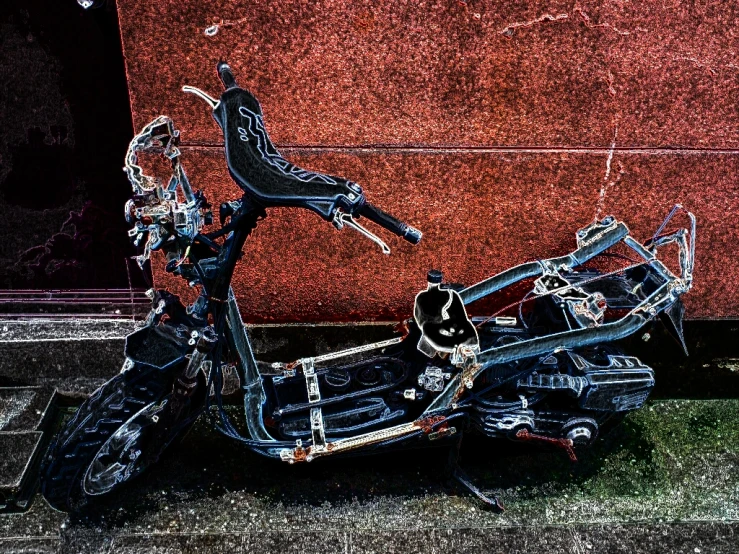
[[384, 219]]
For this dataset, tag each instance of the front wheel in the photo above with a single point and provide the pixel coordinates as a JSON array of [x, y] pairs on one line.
[[114, 436]]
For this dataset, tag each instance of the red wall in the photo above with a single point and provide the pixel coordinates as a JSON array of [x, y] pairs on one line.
[[488, 125]]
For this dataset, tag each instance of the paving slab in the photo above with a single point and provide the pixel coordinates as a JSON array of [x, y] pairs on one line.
[[29, 546], [665, 481], [21, 408], [17, 449], [18, 453], [25, 413], [664, 538], [180, 543]]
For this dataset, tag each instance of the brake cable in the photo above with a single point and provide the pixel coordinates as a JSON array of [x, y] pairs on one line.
[[564, 288]]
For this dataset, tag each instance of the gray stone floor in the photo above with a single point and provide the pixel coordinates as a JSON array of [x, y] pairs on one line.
[[667, 480], [689, 538]]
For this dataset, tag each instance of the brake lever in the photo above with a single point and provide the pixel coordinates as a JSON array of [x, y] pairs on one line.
[[343, 218], [212, 102]]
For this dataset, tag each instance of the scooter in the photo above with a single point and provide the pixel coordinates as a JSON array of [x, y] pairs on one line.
[[549, 373]]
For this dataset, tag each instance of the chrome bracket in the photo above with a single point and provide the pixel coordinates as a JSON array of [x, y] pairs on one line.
[[316, 428], [311, 380], [316, 416]]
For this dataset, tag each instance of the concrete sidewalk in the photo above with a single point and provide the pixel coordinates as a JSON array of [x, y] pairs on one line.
[[667, 480], [643, 489]]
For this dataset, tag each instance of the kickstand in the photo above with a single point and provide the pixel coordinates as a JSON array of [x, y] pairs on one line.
[[455, 472]]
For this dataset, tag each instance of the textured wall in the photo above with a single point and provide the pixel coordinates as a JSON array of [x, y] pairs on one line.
[[496, 128]]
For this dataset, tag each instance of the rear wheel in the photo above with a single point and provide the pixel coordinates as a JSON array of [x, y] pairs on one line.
[[114, 437]]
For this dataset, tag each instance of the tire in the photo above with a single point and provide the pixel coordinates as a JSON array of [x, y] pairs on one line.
[[107, 410]]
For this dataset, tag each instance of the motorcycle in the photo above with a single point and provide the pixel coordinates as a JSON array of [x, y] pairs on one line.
[[549, 373]]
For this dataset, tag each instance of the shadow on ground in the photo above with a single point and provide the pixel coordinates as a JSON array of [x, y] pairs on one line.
[[207, 465]]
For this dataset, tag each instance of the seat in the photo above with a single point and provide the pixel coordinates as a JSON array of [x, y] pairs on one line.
[[260, 170]]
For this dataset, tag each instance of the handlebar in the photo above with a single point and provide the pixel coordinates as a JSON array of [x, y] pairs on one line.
[[345, 202], [381, 218], [384, 219], [226, 75]]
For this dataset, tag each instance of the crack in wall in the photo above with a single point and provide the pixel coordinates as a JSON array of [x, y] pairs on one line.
[[696, 61], [710, 65], [591, 25], [610, 156], [508, 30], [606, 183], [606, 187], [611, 79], [588, 22]]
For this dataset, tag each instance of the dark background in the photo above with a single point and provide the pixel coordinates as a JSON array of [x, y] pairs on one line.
[[66, 123]]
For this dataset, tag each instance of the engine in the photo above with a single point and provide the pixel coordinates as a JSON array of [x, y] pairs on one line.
[[565, 395]]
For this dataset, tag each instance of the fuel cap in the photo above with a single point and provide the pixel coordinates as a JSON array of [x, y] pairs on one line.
[[434, 276]]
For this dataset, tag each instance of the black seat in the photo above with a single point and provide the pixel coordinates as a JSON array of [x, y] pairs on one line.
[[260, 170]]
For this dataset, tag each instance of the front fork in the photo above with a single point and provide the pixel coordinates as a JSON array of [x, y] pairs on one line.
[[228, 318], [238, 343]]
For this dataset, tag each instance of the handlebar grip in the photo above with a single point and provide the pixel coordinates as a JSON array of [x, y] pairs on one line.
[[393, 225], [226, 75]]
